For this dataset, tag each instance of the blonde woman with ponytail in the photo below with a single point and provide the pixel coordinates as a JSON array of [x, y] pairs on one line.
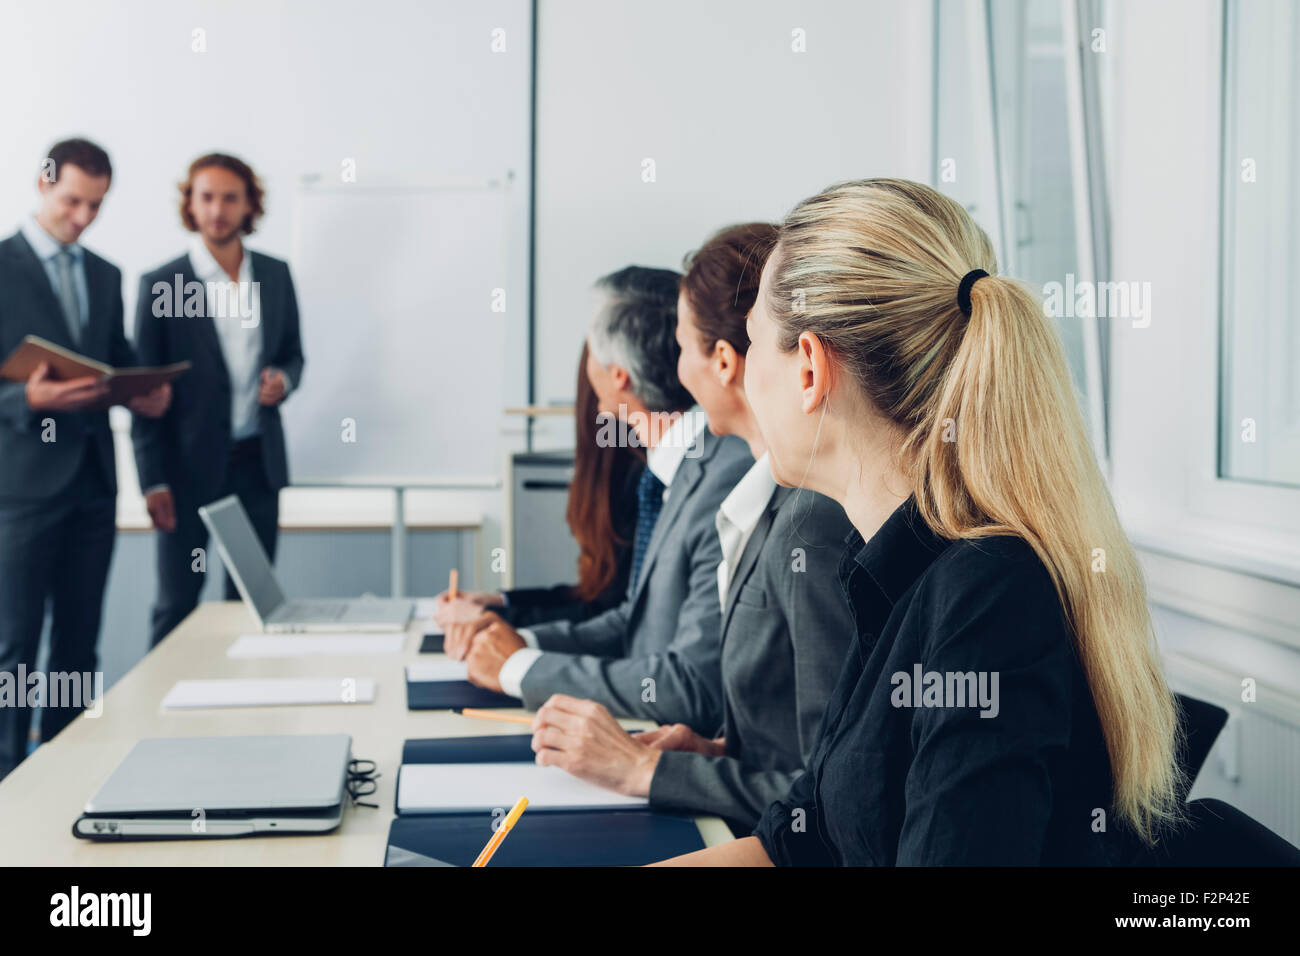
[[1002, 702]]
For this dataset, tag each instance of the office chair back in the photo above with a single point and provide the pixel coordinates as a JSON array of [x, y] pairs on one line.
[[1218, 834]]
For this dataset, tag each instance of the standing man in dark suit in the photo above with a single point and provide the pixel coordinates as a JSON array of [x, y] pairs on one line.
[[234, 315], [58, 480]]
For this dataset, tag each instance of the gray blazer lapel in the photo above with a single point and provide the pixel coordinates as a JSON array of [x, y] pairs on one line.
[[749, 556], [689, 474]]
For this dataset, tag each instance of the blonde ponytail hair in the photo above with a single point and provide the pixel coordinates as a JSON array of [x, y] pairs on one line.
[[872, 268]]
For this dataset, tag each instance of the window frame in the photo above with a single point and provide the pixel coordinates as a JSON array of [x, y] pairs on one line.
[[1087, 179], [1232, 524]]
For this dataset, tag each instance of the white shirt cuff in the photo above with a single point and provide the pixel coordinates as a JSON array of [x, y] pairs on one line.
[[529, 637], [514, 669]]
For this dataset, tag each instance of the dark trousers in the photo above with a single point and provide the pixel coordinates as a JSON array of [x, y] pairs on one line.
[[180, 572], [55, 551]]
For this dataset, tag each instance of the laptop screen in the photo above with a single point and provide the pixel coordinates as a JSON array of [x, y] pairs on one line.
[[245, 559]]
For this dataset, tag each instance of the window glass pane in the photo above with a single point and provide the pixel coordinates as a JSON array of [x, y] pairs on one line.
[[1034, 140], [1259, 394], [1003, 128], [964, 147]]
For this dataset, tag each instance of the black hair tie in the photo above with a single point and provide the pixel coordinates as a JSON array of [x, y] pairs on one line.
[[963, 290]]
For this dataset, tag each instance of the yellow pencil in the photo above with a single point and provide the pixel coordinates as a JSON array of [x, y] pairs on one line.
[[453, 579], [506, 825], [491, 715]]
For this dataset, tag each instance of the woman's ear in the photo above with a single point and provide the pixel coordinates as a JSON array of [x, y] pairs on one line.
[[726, 363], [814, 367]]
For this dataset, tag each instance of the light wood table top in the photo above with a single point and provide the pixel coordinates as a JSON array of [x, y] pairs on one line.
[[44, 795]]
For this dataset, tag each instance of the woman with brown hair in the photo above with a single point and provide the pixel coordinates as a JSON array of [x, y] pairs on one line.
[[1002, 700], [785, 623], [602, 518]]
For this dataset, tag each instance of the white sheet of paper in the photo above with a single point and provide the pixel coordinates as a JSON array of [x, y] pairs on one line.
[[308, 645], [269, 692], [448, 787], [444, 668]]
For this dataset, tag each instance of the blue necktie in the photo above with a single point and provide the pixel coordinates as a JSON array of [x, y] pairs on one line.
[[649, 502]]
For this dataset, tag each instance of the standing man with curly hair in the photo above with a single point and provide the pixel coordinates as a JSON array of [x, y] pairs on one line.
[[233, 313]]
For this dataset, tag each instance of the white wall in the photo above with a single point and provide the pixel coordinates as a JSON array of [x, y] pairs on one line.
[[739, 126], [295, 88]]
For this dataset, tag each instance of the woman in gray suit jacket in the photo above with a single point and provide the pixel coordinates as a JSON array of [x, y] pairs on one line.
[[785, 621]]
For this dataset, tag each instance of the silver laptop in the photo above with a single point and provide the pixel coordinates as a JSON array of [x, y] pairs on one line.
[[199, 787], [248, 566]]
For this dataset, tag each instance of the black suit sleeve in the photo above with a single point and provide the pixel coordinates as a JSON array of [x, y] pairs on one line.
[[525, 606], [15, 413], [121, 354], [147, 433], [290, 360], [14, 410], [790, 829]]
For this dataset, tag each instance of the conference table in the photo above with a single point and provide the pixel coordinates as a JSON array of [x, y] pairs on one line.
[[42, 797]]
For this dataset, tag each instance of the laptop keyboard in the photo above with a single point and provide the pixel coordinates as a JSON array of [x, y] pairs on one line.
[[315, 610]]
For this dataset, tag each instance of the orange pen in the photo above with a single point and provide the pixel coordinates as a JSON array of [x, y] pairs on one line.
[[506, 825], [491, 715]]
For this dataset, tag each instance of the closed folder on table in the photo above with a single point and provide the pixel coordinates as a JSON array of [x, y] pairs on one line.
[[496, 748], [123, 383], [578, 838], [431, 685]]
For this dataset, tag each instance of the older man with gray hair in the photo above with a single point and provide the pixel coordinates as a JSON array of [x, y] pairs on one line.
[[656, 655]]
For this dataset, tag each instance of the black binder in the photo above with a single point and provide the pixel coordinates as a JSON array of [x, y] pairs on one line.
[[563, 838], [498, 748], [446, 694]]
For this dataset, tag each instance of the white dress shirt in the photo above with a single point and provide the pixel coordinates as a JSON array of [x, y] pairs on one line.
[[47, 249], [738, 516], [239, 331], [663, 460]]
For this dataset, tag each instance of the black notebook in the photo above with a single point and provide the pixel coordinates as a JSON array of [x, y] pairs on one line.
[[446, 694], [567, 838], [498, 748]]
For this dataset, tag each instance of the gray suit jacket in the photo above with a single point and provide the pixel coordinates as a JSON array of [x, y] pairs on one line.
[[785, 631], [656, 655]]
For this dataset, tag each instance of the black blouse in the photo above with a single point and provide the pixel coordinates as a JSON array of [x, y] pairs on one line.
[[908, 770]]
